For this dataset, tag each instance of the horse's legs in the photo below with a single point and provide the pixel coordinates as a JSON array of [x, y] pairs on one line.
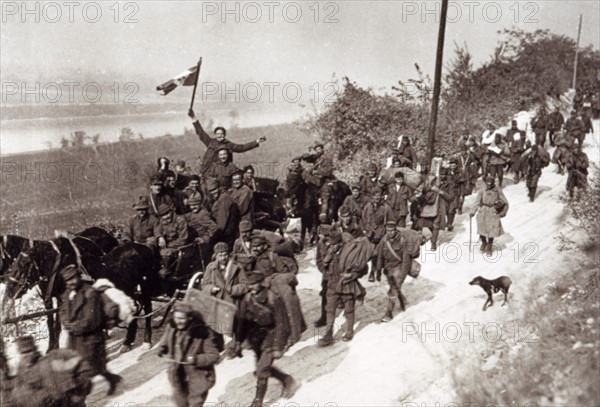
[[148, 332]]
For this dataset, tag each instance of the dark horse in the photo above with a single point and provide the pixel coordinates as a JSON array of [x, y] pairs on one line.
[[39, 265], [268, 209], [10, 247], [303, 202]]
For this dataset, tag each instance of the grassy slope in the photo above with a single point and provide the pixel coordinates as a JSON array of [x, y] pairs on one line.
[[75, 188]]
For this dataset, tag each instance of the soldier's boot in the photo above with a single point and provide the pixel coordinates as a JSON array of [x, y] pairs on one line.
[[327, 339], [349, 327], [483, 247], [322, 321], [450, 225], [290, 385], [378, 275], [261, 390], [434, 238], [490, 246], [388, 316], [113, 382]]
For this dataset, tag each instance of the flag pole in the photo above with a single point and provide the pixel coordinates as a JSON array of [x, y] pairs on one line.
[[196, 83]]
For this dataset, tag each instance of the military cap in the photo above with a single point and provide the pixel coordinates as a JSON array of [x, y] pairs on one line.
[[355, 185], [26, 344], [377, 190], [183, 308], [391, 224], [398, 174], [239, 172], [212, 184], [195, 177], [258, 240], [372, 167], [163, 209], [344, 211], [142, 203], [69, 272], [334, 237], [224, 147], [221, 247], [254, 277], [195, 199], [245, 226]]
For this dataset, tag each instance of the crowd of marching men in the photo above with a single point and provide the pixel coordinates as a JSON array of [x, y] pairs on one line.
[[390, 214]]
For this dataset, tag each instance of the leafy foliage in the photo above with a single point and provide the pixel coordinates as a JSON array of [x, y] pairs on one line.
[[585, 206]]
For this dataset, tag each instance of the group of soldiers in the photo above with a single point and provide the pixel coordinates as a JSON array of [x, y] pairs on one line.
[[389, 215]]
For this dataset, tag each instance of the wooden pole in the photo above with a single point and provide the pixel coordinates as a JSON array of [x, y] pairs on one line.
[[437, 80], [577, 53], [196, 83]]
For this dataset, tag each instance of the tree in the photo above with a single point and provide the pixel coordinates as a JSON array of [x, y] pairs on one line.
[[126, 134], [96, 139], [64, 143], [78, 138]]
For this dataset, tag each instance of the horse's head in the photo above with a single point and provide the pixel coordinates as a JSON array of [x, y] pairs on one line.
[[23, 274]]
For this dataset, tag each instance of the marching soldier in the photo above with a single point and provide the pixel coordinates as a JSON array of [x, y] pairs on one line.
[[374, 217], [202, 228], [264, 323], [490, 206], [370, 181], [224, 212], [575, 127], [224, 278], [347, 223], [81, 316], [577, 166], [356, 202], [394, 259], [158, 196], [342, 287], [534, 163], [193, 349], [499, 154], [397, 198], [320, 175]]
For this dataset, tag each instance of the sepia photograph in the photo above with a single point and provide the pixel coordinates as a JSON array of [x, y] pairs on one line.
[[304, 203]]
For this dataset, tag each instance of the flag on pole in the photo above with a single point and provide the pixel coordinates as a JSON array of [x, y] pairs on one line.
[[187, 78]]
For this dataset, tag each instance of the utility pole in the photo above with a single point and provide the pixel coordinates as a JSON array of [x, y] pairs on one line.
[[437, 80], [577, 52]]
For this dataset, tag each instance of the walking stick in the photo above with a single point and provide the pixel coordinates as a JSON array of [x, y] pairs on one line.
[[470, 234]]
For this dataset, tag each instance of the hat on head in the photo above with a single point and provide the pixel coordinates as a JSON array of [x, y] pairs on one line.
[[489, 178], [335, 237], [156, 181], [245, 226], [142, 203], [377, 190], [69, 272], [239, 172], [26, 344], [355, 185], [223, 147], [258, 240], [426, 233], [212, 184], [183, 308], [398, 174], [221, 247], [345, 211], [254, 277], [391, 223], [180, 163], [195, 199], [163, 209], [372, 167]]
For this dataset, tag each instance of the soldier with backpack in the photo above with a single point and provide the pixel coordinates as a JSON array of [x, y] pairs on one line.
[[264, 323], [342, 287], [81, 314]]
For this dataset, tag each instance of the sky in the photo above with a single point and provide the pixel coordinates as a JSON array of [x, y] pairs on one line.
[[375, 43]]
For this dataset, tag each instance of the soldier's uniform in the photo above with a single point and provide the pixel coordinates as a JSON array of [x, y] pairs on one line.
[[397, 198], [244, 199], [226, 215], [264, 323], [575, 128], [577, 165], [175, 235], [320, 176], [394, 259], [356, 205], [533, 170], [193, 351], [342, 287]]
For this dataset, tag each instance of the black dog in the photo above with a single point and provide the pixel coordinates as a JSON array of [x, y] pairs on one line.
[[501, 283]]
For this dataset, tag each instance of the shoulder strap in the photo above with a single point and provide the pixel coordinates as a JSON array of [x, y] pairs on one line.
[[391, 249]]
